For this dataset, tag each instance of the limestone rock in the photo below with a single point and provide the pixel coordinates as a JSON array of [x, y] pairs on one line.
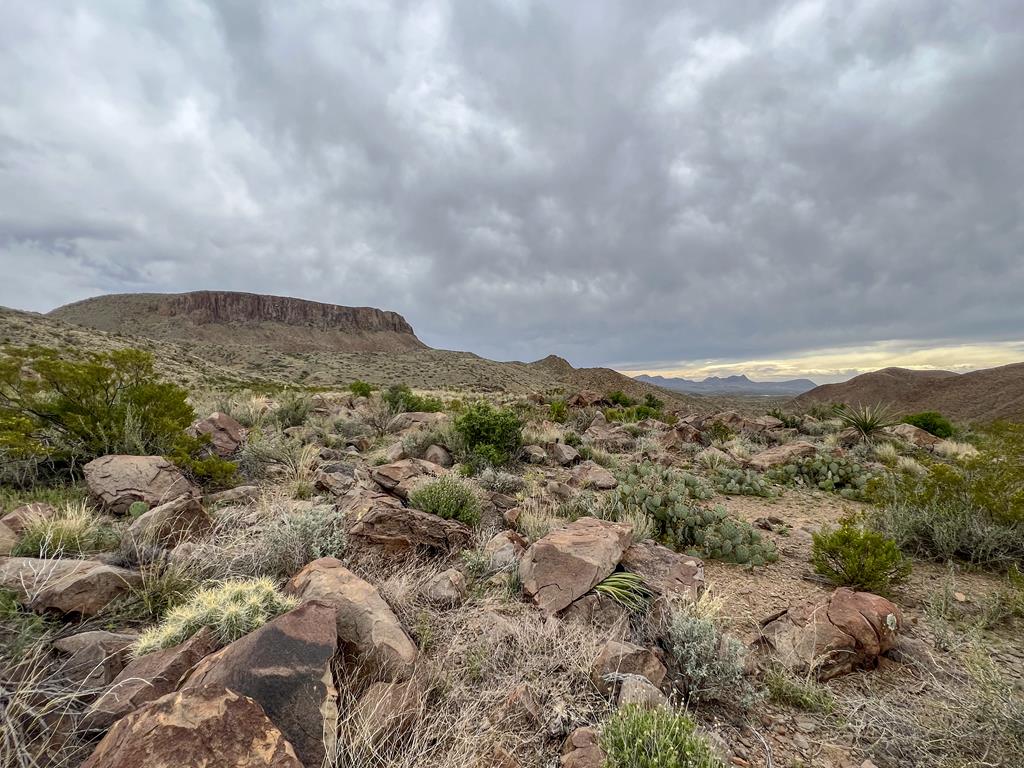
[[570, 561]]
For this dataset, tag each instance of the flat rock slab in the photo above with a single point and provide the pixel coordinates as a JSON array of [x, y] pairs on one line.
[[81, 587], [115, 482]]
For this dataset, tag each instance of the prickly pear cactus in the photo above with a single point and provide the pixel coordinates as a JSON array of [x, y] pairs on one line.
[[745, 482], [836, 474]]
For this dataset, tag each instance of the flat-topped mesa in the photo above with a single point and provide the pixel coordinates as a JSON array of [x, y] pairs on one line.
[[233, 307]]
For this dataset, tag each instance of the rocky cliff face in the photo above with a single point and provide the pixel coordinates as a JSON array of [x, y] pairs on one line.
[[203, 307]]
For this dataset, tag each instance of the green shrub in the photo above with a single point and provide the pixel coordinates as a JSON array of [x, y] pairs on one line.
[[633, 414], [640, 737], [399, 398], [20, 631], [573, 438], [931, 421], [447, 497], [193, 457], [855, 557], [73, 532], [717, 432], [488, 433], [558, 411], [652, 402], [294, 540], [620, 398], [789, 421], [711, 665], [231, 610], [806, 694], [75, 408], [360, 388], [293, 410]]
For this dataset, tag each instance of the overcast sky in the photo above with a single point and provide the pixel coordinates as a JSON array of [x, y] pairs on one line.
[[779, 187]]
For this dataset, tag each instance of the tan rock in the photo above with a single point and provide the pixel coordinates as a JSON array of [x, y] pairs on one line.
[[117, 481], [504, 549], [438, 454], [563, 454], [226, 434], [402, 477], [285, 667], [211, 727], [397, 529], [782, 454], [415, 420], [168, 525], [19, 518], [81, 587], [598, 611], [384, 714], [368, 631], [93, 659], [591, 476], [242, 494], [680, 435], [582, 750], [8, 540], [621, 658], [668, 573], [914, 435], [570, 561], [636, 689], [447, 588]]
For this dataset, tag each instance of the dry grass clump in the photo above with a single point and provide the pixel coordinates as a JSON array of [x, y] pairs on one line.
[[543, 433], [910, 466], [885, 452], [74, 531], [538, 517], [951, 449], [231, 610]]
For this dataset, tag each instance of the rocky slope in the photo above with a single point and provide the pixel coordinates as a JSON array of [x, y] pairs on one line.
[[979, 396], [226, 317]]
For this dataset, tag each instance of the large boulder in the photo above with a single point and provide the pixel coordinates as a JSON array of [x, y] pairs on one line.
[[670, 575], [608, 437], [402, 477], [568, 562], [212, 727], [849, 631], [117, 481], [285, 667], [681, 434], [563, 454], [93, 659], [782, 454], [914, 435], [369, 633], [616, 659], [395, 529], [80, 587], [226, 434], [147, 678], [591, 476], [168, 525], [18, 519]]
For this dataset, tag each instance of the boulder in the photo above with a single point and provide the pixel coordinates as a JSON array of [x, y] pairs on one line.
[[241, 494], [621, 658], [415, 420], [211, 727], [94, 658], [849, 631], [563, 454], [147, 678], [782, 454], [396, 529], [19, 518], [914, 435], [586, 398], [739, 423], [438, 454], [396, 452], [504, 549], [597, 610], [285, 667], [636, 689], [368, 630], [117, 481], [334, 483], [680, 435], [447, 588], [226, 434], [168, 525], [8, 540], [81, 587], [533, 454], [402, 477], [582, 750], [591, 476], [669, 574], [568, 562], [609, 437], [358, 501]]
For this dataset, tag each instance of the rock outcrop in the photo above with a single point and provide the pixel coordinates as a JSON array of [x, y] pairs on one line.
[[117, 481], [78, 587]]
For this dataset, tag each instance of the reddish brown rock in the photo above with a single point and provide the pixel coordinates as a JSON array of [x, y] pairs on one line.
[[447, 588], [438, 454], [211, 727], [563, 454], [621, 658], [504, 549], [782, 454], [168, 525], [19, 518], [586, 398], [80, 587], [680, 435], [115, 482], [667, 573], [226, 434], [590, 476], [370, 634], [608, 437], [147, 678], [568, 562], [849, 631], [599, 611], [582, 750], [93, 659], [242, 494], [285, 667], [402, 477], [914, 435], [395, 529]]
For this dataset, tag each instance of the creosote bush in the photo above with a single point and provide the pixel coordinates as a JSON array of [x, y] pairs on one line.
[[230, 610], [640, 737], [931, 421], [360, 388], [447, 497], [487, 436], [400, 399], [859, 558]]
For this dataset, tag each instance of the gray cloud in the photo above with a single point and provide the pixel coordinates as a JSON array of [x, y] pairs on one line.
[[626, 183]]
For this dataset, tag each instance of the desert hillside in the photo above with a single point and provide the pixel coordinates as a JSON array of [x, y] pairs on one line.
[[979, 396]]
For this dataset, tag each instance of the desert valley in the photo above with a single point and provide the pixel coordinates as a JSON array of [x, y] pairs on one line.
[[247, 530]]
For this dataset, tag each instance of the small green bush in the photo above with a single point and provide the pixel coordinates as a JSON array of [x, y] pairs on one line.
[[360, 388], [447, 497], [621, 399], [491, 434], [633, 414], [859, 558], [717, 432], [194, 458], [653, 402], [400, 399], [231, 610], [558, 411], [931, 421], [293, 410], [806, 694], [711, 664], [641, 737]]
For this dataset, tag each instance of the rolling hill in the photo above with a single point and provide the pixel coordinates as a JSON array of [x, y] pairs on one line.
[[731, 385], [979, 396]]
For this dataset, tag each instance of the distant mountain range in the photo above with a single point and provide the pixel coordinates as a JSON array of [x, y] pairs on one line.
[[731, 385]]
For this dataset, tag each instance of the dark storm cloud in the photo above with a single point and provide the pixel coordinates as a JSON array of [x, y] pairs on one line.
[[622, 183]]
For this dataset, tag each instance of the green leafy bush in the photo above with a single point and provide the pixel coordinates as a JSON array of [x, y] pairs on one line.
[[653, 402], [640, 737], [931, 421], [838, 474], [72, 408], [621, 399], [360, 388], [558, 411], [231, 610], [293, 409], [711, 665], [859, 558], [490, 434], [447, 497], [400, 399], [205, 468], [717, 432]]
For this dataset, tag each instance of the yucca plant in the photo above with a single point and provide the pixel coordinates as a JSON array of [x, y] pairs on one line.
[[867, 420], [628, 590]]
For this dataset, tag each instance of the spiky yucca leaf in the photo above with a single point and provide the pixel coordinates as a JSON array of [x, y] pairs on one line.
[[867, 420], [628, 590]]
